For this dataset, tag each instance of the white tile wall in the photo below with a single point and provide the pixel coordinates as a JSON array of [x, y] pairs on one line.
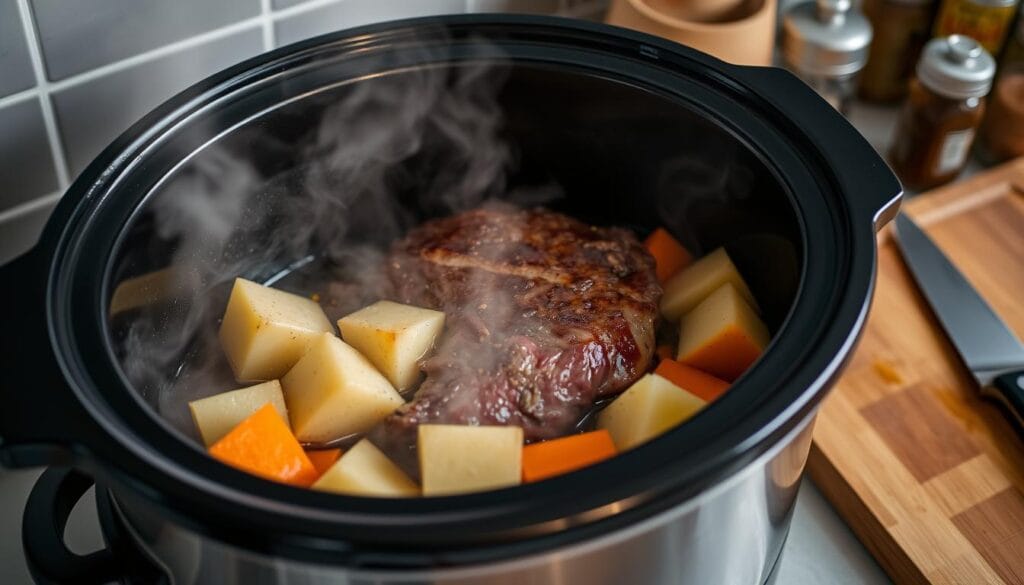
[[74, 75]]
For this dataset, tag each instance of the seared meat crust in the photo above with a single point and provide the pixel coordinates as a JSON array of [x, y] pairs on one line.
[[545, 315]]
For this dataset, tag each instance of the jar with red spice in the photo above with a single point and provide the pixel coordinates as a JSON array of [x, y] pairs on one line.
[[938, 122]]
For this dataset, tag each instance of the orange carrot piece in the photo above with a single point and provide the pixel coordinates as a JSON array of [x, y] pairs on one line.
[[323, 459], [264, 445], [726, 355], [700, 384], [669, 255], [558, 456], [665, 352]]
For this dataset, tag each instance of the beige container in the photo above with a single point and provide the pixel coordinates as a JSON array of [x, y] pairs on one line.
[[701, 10], [744, 35]]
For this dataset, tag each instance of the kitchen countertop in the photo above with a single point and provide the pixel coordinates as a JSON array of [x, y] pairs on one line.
[[820, 549]]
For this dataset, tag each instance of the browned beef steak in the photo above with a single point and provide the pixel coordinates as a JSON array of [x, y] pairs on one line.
[[545, 314]]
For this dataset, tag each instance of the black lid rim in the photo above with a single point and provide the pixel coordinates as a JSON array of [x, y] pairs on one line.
[[800, 364]]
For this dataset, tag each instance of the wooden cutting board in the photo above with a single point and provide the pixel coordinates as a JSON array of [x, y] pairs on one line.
[[929, 476]]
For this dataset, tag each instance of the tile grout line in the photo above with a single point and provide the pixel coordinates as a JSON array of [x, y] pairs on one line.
[[29, 206], [44, 86], [154, 54], [21, 96], [186, 43], [268, 25], [35, 52]]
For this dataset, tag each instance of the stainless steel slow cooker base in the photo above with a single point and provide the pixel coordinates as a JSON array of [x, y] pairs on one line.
[[710, 539]]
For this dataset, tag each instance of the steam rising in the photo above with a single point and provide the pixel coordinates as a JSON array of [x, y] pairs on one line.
[[426, 139]]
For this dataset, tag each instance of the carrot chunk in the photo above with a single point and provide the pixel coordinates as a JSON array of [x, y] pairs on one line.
[[264, 445], [665, 352], [669, 255], [558, 456], [323, 459], [700, 384]]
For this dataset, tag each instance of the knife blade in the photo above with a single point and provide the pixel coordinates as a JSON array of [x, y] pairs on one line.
[[987, 346]]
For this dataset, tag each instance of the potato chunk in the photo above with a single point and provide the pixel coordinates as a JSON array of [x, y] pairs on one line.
[[393, 337], [333, 391], [687, 289], [457, 459], [722, 336], [365, 471], [651, 406], [216, 415], [265, 330]]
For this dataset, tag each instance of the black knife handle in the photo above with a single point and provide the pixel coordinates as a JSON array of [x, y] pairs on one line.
[[1008, 390]]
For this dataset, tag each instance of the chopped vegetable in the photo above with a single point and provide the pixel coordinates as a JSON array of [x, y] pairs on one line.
[[323, 459], [651, 406], [264, 445], [216, 415], [669, 255], [687, 289], [333, 392], [457, 459], [558, 456], [665, 352], [265, 330], [393, 337], [365, 471], [700, 384], [722, 336]]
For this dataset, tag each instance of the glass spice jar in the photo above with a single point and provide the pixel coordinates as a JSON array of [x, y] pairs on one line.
[[901, 28], [986, 21], [937, 124], [825, 42], [1002, 132]]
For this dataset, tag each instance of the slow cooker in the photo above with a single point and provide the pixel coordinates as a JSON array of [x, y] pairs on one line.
[[605, 124]]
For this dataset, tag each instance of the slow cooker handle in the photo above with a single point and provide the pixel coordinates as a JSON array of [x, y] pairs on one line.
[[42, 530], [862, 172], [38, 415]]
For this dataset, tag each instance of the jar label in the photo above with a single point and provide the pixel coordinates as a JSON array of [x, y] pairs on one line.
[[954, 151]]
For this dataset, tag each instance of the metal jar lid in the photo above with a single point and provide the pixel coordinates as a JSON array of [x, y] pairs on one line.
[[956, 67], [826, 37]]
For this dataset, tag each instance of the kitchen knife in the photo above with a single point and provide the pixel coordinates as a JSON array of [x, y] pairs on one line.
[[993, 354]]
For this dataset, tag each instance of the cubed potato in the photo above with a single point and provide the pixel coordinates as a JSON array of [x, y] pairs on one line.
[[365, 471], [216, 415], [722, 335], [393, 337], [333, 391], [651, 406], [265, 330], [457, 459], [688, 288]]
